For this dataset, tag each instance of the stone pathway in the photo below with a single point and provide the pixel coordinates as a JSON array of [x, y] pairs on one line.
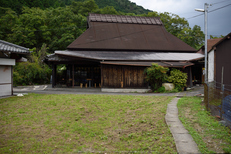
[[184, 141]]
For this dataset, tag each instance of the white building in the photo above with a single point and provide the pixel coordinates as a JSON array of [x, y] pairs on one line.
[[9, 53]]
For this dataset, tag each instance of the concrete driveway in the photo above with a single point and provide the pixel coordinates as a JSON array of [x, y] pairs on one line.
[[47, 89]]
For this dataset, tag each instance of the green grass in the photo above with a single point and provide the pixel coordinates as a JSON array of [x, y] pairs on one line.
[[89, 123], [210, 136]]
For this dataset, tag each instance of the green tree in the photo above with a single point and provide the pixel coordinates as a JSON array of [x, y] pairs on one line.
[[33, 71], [64, 26], [156, 75], [27, 30], [84, 8], [109, 10], [8, 20], [56, 27], [193, 37], [215, 37], [180, 28]]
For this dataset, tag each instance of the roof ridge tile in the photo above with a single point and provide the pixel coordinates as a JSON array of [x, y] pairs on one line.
[[124, 19]]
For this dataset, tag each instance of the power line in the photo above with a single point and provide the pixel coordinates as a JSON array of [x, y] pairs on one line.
[[195, 16], [219, 2], [209, 11], [219, 8]]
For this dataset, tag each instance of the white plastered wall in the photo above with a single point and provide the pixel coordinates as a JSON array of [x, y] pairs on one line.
[[211, 66], [6, 76]]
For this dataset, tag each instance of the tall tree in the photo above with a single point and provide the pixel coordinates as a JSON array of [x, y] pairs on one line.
[[55, 27], [84, 8], [8, 19], [180, 28]]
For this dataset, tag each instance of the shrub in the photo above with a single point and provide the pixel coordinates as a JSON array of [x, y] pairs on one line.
[[34, 71], [174, 90], [17, 79], [156, 74], [178, 78], [161, 89], [28, 73]]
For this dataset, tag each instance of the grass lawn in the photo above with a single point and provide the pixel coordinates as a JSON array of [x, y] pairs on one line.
[[84, 123], [210, 136]]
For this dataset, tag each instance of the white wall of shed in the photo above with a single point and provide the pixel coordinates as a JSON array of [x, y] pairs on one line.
[[5, 80], [211, 66], [5, 61]]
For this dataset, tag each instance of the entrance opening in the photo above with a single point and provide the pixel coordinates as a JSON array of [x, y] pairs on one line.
[[87, 76]]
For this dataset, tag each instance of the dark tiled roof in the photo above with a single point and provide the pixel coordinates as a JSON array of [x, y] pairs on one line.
[[210, 44], [133, 56], [222, 39], [54, 57], [124, 19], [10, 47], [126, 36]]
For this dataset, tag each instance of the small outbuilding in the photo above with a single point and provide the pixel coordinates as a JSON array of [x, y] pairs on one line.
[[219, 59], [9, 54]]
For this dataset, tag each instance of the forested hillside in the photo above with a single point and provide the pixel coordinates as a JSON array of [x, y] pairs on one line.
[[120, 5], [58, 27]]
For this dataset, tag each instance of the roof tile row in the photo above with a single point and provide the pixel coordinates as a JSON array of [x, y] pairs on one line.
[[10, 47], [125, 19]]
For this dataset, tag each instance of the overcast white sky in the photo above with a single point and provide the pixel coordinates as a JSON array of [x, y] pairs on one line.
[[219, 21]]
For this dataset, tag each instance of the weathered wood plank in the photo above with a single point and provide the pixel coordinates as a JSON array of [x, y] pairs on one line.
[[111, 76], [135, 77], [131, 76]]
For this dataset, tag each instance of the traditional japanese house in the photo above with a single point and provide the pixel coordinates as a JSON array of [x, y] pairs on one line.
[[114, 51]]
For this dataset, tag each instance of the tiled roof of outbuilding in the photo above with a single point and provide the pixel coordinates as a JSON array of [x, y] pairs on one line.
[[10, 47]]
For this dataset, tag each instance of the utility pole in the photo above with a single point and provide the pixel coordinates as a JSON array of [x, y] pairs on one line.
[[205, 10], [206, 38], [206, 92]]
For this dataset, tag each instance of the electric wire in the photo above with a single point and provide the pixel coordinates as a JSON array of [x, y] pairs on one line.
[[219, 2], [219, 8], [195, 16], [209, 11]]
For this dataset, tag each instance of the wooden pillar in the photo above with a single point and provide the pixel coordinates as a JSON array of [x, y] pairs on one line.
[[190, 76], [54, 66], [92, 76], [12, 80], [101, 68], [73, 75]]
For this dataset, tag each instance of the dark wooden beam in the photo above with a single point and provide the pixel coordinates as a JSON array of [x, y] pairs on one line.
[[190, 77], [73, 75], [54, 75], [12, 80]]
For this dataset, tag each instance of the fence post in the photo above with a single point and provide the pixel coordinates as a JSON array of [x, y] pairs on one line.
[[208, 91], [223, 91], [206, 96]]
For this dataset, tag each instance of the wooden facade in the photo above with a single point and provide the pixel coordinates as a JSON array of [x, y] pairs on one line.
[[222, 56], [116, 76]]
